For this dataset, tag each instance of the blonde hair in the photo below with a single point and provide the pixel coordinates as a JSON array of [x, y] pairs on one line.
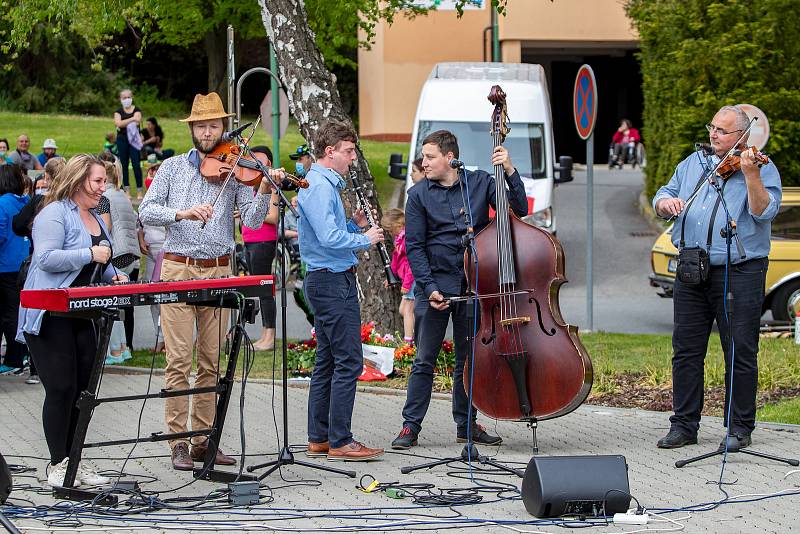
[[113, 173], [71, 177], [393, 220], [53, 168]]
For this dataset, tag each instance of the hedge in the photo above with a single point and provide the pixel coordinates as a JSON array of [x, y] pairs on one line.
[[699, 55]]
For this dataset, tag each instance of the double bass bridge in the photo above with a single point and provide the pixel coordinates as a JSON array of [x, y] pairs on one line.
[[511, 321]]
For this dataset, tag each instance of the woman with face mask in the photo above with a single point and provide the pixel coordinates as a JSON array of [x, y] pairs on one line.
[[4, 159], [129, 140]]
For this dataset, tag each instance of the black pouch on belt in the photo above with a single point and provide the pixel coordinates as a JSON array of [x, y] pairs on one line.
[[694, 264]]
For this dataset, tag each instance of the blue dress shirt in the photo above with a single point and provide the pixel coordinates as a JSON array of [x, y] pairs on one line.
[[435, 226], [753, 230], [328, 240]]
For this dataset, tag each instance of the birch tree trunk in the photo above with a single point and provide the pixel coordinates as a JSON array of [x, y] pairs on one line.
[[313, 99]]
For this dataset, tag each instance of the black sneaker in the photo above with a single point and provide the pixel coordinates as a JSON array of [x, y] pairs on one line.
[[736, 441], [479, 436], [676, 439], [406, 439]]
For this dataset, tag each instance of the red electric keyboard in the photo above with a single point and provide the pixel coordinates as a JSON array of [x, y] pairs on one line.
[[197, 292]]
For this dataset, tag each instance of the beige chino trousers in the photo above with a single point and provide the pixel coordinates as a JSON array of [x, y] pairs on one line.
[[178, 323]]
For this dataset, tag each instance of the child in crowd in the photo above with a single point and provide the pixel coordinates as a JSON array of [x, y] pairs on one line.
[[110, 144], [151, 242], [394, 222]]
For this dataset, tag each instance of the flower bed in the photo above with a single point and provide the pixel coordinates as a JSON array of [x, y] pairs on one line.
[[301, 355]]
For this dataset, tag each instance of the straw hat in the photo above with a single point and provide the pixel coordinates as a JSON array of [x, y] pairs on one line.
[[207, 107]]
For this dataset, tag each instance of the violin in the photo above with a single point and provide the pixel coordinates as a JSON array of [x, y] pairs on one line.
[[733, 162], [228, 157]]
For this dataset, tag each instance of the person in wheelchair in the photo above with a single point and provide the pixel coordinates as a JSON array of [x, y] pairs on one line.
[[623, 145]]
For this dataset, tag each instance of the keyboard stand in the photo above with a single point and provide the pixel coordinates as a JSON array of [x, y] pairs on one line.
[[88, 401]]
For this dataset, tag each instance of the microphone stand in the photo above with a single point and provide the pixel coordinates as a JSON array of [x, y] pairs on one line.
[[285, 456], [731, 443], [469, 453]]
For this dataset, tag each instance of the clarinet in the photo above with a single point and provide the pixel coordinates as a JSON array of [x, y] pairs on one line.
[[391, 278]]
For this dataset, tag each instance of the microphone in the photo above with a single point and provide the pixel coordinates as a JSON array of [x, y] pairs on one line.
[[455, 164], [233, 134], [103, 243]]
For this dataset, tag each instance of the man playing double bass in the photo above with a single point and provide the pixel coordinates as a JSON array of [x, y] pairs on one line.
[[752, 197], [436, 226]]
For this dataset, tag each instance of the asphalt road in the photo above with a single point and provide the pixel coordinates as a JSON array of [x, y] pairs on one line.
[[623, 299]]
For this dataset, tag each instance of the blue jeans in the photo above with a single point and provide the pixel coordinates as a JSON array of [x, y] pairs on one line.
[[127, 153], [429, 329], [337, 322], [695, 310]]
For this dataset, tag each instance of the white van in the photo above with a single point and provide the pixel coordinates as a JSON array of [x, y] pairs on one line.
[[454, 98]]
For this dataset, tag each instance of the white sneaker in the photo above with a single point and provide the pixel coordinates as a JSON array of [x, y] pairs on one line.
[[87, 475], [56, 474]]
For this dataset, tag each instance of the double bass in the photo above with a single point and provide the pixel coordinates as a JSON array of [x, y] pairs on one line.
[[528, 364]]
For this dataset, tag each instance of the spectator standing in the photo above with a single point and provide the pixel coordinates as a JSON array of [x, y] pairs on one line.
[[124, 235], [302, 160], [5, 158], [394, 222], [259, 246], [22, 157], [417, 174], [22, 222], [49, 148], [153, 140], [129, 141], [13, 250], [151, 243]]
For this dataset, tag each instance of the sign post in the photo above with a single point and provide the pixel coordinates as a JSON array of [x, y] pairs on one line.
[[584, 107]]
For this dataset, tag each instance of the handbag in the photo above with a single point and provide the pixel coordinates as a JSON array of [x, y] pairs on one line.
[[22, 275]]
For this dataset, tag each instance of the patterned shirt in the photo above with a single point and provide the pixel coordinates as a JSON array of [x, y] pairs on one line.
[[177, 186]]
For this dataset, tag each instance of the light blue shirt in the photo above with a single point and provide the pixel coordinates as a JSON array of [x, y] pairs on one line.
[[61, 249], [753, 230], [328, 240]]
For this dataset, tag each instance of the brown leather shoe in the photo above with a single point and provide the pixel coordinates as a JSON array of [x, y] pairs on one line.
[[181, 460], [317, 450], [199, 455], [353, 452]]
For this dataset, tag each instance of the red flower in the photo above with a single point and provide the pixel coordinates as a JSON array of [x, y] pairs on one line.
[[447, 345]]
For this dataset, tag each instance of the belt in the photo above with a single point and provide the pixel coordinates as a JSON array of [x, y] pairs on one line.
[[348, 270], [222, 261]]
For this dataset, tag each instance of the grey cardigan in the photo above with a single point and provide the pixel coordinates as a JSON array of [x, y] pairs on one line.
[[61, 250]]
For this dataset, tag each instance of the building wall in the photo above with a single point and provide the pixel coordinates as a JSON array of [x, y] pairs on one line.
[[392, 73]]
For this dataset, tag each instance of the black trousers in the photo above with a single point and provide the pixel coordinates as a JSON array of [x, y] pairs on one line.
[[64, 353], [9, 313], [259, 261], [695, 310], [429, 329], [127, 320], [127, 153]]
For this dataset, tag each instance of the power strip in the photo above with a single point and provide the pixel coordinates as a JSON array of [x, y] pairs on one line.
[[631, 519]]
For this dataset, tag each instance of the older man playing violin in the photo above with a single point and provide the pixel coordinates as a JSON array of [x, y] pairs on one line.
[[752, 195], [199, 243]]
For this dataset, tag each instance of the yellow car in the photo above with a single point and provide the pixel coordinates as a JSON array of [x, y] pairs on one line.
[[783, 276]]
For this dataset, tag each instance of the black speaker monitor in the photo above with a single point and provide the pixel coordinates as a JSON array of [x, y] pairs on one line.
[[576, 485]]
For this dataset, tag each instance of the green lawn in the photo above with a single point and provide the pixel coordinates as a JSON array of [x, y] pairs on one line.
[[75, 134], [647, 354]]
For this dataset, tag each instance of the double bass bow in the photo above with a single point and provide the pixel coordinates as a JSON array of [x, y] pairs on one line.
[[528, 363]]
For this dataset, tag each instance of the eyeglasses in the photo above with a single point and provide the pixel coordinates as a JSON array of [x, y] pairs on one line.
[[711, 129]]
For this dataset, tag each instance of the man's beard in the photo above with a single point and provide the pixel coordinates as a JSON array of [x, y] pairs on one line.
[[206, 147]]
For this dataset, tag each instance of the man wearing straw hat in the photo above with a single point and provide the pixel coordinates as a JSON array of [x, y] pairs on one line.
[[198, 245]]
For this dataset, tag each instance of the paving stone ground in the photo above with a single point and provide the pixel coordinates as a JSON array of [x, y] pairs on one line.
[[590, 430]]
